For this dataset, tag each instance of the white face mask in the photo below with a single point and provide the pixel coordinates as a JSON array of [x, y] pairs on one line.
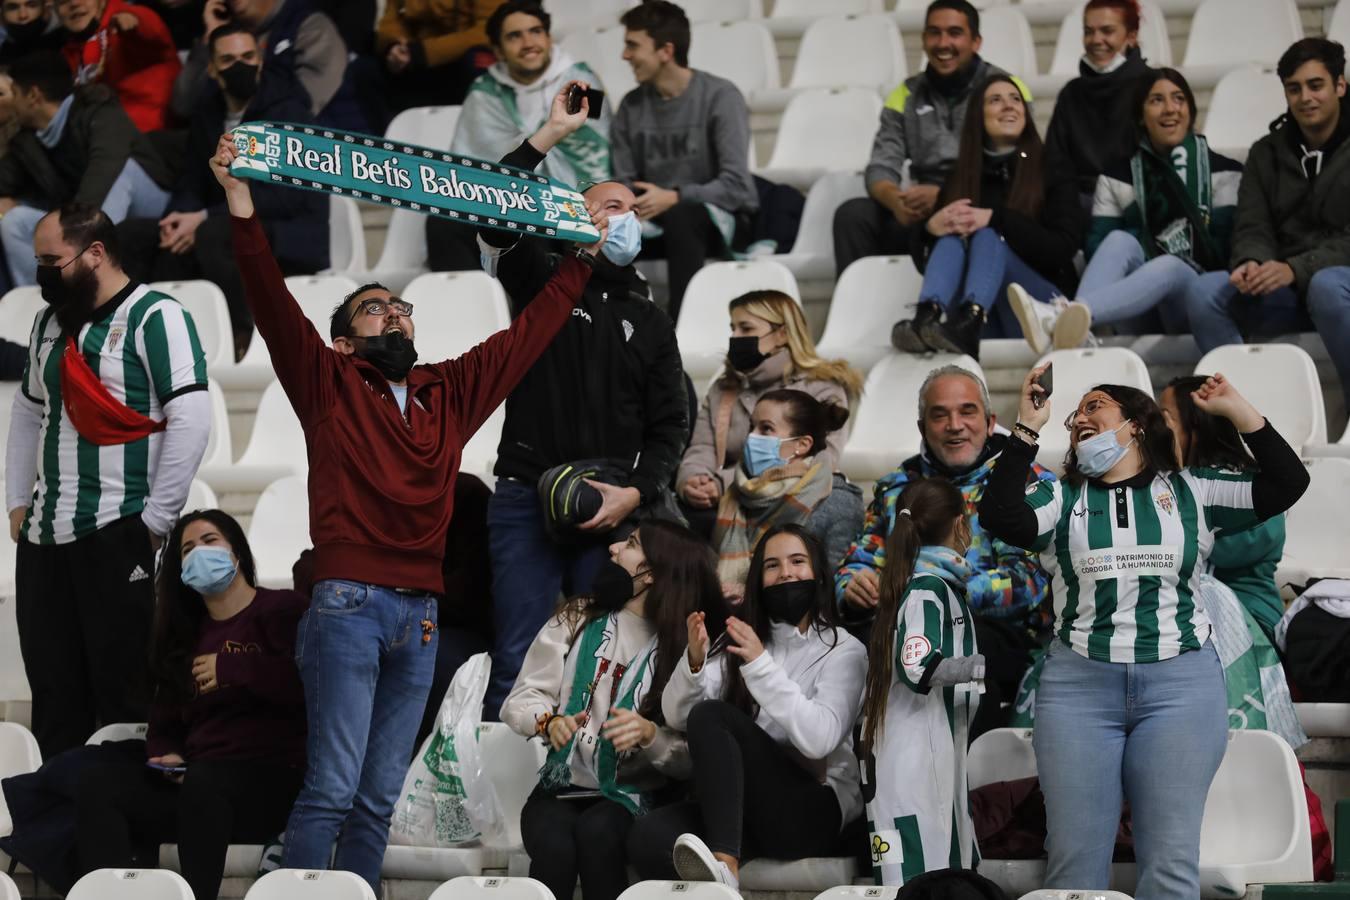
[[1116, 62], [1099, 454]]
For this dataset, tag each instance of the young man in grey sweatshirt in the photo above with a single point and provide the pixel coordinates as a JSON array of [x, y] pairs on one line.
[[681, 141], [921, 125]]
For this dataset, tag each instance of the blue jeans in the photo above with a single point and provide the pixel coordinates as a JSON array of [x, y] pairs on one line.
[[134, 193], [1119, 283], [978, 270], [530, 572], [1329, 306], [1150, 733], [1219, 315], [367, 672]]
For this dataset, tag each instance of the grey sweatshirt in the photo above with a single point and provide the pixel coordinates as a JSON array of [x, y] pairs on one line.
[[697, 143]]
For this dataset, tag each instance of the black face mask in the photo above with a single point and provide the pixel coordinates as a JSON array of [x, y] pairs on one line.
[[241, 81], [789, 601], [28, 32], [392, 353], [613, 586], [72, 299], [743, 354]]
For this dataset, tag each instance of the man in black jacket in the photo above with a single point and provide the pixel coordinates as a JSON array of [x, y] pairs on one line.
[[610, 386], [193, 239], [73, 146]]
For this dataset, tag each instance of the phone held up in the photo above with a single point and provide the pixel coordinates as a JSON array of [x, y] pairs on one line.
[[594, 96], [1046, 380]]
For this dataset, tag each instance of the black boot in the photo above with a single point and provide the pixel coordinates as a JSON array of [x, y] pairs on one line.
[[908, 335], [963, 334]]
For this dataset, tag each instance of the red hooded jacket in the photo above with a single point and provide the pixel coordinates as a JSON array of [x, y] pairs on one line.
[[140, 64]]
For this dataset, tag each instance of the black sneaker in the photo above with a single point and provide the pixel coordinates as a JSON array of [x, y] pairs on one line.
[[908, 336], [963, 334]]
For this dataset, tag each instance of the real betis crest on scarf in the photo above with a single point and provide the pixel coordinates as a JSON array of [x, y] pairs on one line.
[[405, 176]]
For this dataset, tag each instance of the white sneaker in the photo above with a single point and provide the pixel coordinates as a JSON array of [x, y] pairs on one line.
[[694, 861], [1073, 326], [1036, 318]]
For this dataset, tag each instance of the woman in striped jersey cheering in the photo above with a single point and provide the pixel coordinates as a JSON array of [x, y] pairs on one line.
[[924, 678], [1131, 703]]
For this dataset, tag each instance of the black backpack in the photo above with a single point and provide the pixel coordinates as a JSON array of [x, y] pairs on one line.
[[951, 884]]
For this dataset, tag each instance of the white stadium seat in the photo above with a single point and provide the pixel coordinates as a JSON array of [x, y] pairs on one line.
[[741, 52], [19, 755], [1281, 381], [602, 50], [455, 311], [1077, 372], [1324, 719], [218, 449], [1244, 103], [872, 295], [1154, 43], [210, 314], [1228, 33], [200, 496], [817, 8], [1314, 544], [131, 884], [811, 259], [305, 884], [572, 15], [1008, 43], [512, 764], [275, 449], [705, 323], [789, 876], [722, 10], [1048, 894], [824, 130], [480, 453], [685, 890], [279, 530], [871, 43], [346, 238], [1339, 29], [118, 731], [18, 308], [472, 887], [885, 430], [8, 889], [860, 892], [13, 676]]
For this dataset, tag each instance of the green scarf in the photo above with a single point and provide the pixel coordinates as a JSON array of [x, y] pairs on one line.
[[556, 773], [751, 506], [1175, 199]]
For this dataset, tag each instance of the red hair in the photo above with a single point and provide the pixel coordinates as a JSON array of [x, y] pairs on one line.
[[1129, 10]]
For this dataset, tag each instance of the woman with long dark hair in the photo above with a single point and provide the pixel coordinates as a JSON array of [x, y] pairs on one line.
[[1161, 217], [769, 707], [226, 742], [590, 687], [1131, 704], [923, 680], [1002, 217]]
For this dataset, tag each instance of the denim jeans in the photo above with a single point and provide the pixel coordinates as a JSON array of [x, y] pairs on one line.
[[1119, 283], [978, 270], [1150, 733], [1219, 315], [367, 671], [1329, 306], [134, 193], [530, 571]]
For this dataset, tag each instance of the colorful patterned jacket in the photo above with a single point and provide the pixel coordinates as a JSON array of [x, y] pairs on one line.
[[1008, 584]]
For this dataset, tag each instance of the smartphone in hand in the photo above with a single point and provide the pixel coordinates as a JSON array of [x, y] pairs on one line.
[[1047, 383], [594, 97], [172, 770]]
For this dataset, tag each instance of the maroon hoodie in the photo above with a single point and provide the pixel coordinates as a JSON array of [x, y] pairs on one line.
[[381, 484]]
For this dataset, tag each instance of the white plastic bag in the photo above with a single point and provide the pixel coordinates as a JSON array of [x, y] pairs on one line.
[[447, 798]]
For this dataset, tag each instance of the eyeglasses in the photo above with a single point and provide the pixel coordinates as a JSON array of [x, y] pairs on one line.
[[1088, 409], [381, 307]]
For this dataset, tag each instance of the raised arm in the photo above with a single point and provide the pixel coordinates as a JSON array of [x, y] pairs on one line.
[[1007, 511]]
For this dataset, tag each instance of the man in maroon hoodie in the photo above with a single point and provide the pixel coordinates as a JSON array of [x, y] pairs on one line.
[[384, 439]]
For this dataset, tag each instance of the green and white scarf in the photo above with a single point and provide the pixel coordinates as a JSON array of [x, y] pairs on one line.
[[556, 773], [1176, 201], [405, 176]]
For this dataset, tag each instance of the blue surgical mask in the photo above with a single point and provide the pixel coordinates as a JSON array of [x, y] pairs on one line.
[[762, 453], [209, 570], [625, 239], [1099, 454]]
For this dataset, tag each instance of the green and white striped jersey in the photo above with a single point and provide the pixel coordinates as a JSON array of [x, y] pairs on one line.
[[146, 352], [917, 808], [1125, 562]]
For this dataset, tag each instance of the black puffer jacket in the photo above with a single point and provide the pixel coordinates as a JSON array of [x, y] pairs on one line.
[[1093, 125], [610, 385]]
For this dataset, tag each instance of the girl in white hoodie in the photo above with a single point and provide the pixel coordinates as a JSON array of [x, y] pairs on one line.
[[768, 709]]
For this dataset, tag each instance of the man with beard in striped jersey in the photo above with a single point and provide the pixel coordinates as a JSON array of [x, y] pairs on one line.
[[1131, 703], [106, 432]]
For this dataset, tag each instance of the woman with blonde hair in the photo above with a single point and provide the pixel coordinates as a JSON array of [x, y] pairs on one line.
[[770, 349]]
